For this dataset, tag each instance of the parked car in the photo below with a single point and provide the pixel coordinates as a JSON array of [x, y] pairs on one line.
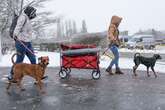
[[141, 42]]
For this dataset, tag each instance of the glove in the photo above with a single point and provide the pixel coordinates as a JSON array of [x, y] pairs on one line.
[[109, 45], [15, 38]]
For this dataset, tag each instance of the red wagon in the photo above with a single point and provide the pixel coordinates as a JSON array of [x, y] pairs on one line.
[[80, 57]]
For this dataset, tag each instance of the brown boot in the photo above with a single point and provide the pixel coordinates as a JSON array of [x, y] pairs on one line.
[[109, 70], [118, 71]]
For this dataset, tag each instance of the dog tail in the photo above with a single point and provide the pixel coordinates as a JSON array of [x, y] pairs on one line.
[[136, 54], [12, 58]]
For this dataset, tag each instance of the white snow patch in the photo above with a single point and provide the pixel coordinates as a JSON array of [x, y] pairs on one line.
[[127, 63], [54, 58]]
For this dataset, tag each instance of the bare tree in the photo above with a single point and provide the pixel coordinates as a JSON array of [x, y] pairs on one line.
[[9, 7], [5, 13]]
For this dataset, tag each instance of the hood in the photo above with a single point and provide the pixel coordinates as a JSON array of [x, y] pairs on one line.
[[30, 12], [116, 20]]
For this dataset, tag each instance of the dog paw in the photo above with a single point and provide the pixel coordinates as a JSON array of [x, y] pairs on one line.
[[23, 89], [7, 88], [8, 93], [43, 92], [135, 74], [35, 83]]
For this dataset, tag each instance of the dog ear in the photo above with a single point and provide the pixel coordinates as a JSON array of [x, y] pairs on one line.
[[157, 56], [47, 57], [39, 60]]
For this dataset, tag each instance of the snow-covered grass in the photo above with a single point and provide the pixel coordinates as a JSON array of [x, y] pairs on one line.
[[53, 56], [125, 63], [160, 50]]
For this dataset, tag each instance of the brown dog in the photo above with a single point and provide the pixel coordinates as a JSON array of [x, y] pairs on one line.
[[36, 71]]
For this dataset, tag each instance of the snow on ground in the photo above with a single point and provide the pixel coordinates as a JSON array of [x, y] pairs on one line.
[[125, 63], [53, 57]]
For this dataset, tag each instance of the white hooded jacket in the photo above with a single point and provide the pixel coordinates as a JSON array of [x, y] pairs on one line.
[[23, 29]]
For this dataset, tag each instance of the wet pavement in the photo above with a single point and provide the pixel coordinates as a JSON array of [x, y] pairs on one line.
[[81, 92]]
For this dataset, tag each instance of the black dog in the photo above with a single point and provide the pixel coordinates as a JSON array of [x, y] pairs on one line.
[[148, 62]]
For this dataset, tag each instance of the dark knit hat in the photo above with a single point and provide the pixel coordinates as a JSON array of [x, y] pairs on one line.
[[30, 12]]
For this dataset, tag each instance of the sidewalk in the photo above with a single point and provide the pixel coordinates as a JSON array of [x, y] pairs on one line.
[[80, 92]]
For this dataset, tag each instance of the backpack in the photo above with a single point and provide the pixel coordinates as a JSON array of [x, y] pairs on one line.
[[13, 25]]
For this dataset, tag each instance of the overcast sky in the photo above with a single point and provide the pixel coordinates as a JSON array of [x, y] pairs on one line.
[[137, 14]]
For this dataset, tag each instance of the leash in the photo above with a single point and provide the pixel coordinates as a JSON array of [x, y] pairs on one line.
[[106, 54], [33, 53], [26, 47], [105, 51]]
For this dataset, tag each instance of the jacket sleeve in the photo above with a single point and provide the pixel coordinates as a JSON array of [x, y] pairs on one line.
[[19, 26], [111, 32]]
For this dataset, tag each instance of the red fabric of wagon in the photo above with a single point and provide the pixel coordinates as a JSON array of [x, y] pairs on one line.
[[76, 46], [81, 62]]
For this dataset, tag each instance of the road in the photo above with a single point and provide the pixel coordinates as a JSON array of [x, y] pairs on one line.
[[80, 92]]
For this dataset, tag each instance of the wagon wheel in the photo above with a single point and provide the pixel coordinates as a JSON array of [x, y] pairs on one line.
[[63, 74], [96, 74], [68, 70]]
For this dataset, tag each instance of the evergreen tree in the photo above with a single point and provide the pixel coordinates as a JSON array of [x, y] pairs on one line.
[[74, 27], [62, 30], [66, 29], [70, 28], [59, 33], [84, 27]]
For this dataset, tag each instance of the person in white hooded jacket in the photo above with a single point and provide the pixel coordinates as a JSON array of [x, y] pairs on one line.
[[23, 37], [23, 29]]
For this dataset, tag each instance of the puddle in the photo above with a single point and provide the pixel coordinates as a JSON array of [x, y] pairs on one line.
[[51, 100], [4, 79], [64, 85]]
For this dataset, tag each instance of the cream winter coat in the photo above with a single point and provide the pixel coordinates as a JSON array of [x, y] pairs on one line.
[[113, 32], [23, 30]]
